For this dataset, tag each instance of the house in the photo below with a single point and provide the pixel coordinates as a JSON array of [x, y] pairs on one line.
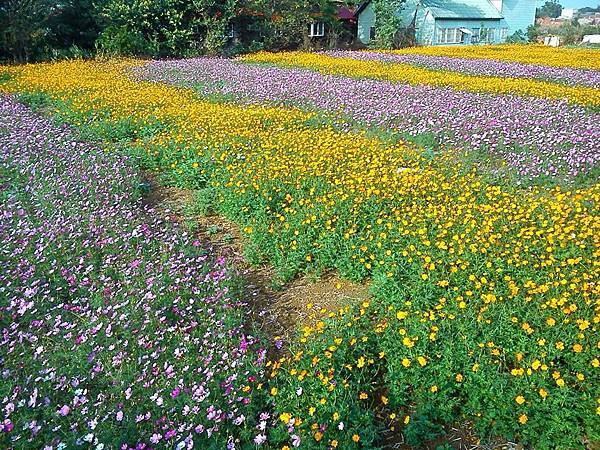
[[589, 19], [549, 22], [339, 23], [567, 13], [454, 22]]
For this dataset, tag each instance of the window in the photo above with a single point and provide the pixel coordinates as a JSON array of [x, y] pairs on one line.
[[231, 31], [449, 36], [316, 29], [487, 34], [503, 33]]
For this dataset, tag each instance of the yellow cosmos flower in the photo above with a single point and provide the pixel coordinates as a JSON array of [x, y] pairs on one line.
[[523, 419]]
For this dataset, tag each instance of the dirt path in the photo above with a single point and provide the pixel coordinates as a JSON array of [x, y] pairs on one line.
[[278, 309]]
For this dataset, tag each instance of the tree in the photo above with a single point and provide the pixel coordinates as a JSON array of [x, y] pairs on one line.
[[166, 27], [534, 32], [551, 9], [41, 29], [283, 24], [588, 9], [387, 23], [24, 27], [74, 22]]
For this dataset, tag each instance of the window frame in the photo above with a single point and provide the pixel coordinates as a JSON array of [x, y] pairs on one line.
[[489, 33], [450, 35], [316, 29]]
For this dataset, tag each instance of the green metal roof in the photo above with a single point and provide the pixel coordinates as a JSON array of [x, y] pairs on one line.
[[462, 9], [448, 9]]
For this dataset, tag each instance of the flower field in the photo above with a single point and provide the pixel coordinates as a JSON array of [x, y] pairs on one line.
[[489, 67], [538, 54], [468, 201], [562, 138], [411, 74], [116, 326]]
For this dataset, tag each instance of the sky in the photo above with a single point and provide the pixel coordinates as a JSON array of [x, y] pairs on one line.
[[574, 3]]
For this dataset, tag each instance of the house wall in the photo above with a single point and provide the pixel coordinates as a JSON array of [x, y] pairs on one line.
[[518, 14], [366, 20], [425, 32], [471, 24]]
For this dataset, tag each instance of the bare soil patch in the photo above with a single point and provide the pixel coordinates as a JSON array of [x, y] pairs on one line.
[[278, 310]]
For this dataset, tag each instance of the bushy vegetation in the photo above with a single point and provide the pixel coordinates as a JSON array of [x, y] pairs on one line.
[[570, 33], [36, 30]]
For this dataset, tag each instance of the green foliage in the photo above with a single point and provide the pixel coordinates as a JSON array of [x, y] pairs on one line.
[[149, 28], [41, 29], [570, 33], [423, 428], [387, 23], [518, 37], [33, 30], [533, 33], [119, 40], [202, 202], [549, 9]]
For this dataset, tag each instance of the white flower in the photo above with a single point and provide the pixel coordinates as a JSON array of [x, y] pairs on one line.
[[260, 439]]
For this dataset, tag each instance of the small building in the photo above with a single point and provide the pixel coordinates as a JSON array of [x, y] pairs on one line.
[[454, 22], [567, 13], [549, 22], [339, 24], [589, 19], [592, 39]]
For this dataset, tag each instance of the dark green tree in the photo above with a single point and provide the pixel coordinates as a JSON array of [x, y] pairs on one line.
[[24, 27], [387, 23], [40, 29], [166, 27], [551, 9]]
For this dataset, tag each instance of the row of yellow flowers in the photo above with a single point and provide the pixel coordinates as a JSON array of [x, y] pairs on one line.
[[477, 285], [582, 58], [406, 73]]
